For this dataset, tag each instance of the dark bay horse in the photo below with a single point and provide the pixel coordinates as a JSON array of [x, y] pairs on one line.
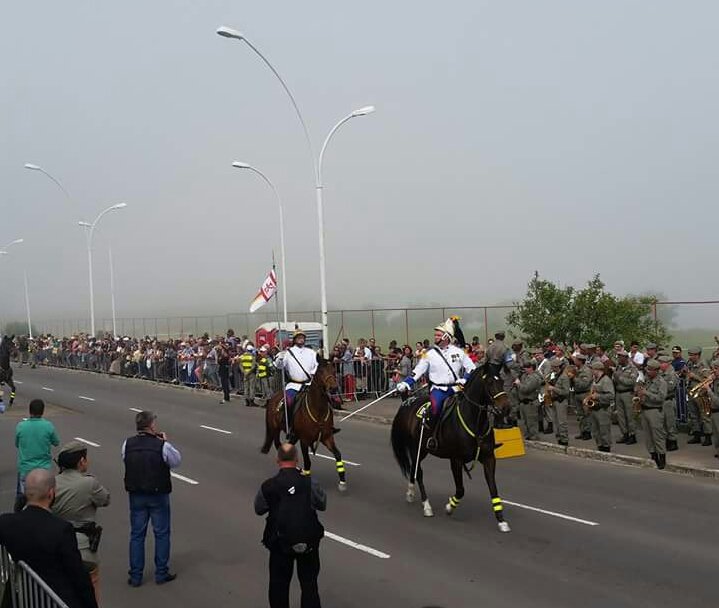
[[313, 420], [466, 435], [6, 346]]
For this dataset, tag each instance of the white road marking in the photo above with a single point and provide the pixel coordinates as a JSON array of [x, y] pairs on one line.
[[134, 409], [354, 464], [552, 513], [46, 388], [18, 382], [92, 443], [86, 398], [192, 482], [354, 545], [212, 428]]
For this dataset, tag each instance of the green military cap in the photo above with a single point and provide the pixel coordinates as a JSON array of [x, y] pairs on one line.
[[555, 362], [537, 351], [590, 346], [73, 446], [622, 353], [715, 363], [653, 364], [651, 346], [664, 359], [583, 346], [695, 350], [597, 365], [529, 363], [517, 342], [581, 356]]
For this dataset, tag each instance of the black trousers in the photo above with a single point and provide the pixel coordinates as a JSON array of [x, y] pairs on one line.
[[225, 381], [281, 567]]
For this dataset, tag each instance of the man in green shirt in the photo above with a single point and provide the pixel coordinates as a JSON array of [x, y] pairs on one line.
[[33, 439]]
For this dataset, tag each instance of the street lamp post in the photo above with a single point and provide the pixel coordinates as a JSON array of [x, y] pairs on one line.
[[56, 181], [112, 294], [90, 232], [227, 32], [239, 165]]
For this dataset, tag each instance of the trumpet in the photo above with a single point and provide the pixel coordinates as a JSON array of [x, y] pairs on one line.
[[638, 398]]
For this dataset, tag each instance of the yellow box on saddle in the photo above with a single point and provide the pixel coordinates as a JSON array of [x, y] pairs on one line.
[[512, 443]]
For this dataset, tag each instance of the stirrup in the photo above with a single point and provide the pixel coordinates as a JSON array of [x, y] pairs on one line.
[[431, 443]]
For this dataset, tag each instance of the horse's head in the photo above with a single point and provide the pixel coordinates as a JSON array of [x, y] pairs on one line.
[[486, 387], [325, 377]]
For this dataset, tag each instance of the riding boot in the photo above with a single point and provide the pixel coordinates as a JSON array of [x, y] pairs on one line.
[[696, 438], [433, 426], [623, 439], [707, 440], [661, 461]]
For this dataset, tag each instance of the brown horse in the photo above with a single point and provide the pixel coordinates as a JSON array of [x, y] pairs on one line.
[[464, 437], [312, 422]]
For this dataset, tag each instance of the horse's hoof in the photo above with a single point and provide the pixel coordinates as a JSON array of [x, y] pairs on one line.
[[342, 486], [448, 509], [504, 527], [411, 494], [428, 512]]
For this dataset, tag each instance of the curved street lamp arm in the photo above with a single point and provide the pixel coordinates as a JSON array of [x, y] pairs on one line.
[[324, 146]]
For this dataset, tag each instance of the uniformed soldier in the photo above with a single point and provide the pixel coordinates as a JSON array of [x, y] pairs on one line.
[[77, 498], [695, 371], [713, 395], [528, 387], [558, 385], [514, 367], [650, 352], [544, 369], [447, 366], [497, 353], [602, 393], [652, 395], [670, 403], [263, 373], [581, 384], [625, 379], [248, 364], [590, 349]]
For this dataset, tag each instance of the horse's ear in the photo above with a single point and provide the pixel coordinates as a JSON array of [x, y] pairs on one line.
[[319, 359]]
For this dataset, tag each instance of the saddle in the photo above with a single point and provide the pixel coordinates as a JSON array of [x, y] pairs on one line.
[[450, 405]]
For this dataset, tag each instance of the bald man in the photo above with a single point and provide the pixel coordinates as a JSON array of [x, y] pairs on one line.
[[47, 543]]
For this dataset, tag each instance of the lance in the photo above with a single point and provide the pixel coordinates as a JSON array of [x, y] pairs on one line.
[[364, 407]]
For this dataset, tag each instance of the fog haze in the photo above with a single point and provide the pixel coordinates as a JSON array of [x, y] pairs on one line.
[[567, 137]]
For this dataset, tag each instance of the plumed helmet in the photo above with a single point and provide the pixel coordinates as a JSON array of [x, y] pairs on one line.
[[452, 329], [446, 328], [298, 332]]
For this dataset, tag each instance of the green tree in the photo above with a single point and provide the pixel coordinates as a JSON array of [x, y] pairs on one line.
[[591, 314]]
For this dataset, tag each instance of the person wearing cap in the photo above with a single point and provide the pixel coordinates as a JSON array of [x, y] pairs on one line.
[[581, 385], [528, 387], [603, 397], [544, 369], [448, 368], [510, 372], [300, 364], [678, 362], [148, 458], [497, 353], [559, 385], [263, 373], [650, 352], [625, 379], [78, 495], [652, 395], [694, 372], [248, 363], [590, 349], [712, 393], [669, 409]]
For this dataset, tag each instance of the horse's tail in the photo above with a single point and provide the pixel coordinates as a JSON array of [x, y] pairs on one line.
[[401, 441]]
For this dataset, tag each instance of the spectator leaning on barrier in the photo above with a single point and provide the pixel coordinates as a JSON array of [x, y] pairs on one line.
[[47, 543], [148, 458], [34, 438], [77, 498], [292, 530]]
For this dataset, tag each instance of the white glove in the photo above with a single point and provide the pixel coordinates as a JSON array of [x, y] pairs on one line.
[[280, 356], [402, 387], [462, 381]]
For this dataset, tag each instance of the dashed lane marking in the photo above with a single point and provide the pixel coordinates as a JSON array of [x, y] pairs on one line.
[[92, 443], [212, 428], [47, 388], [358, 546], [354, 464], [192, 482], [552, 513], [86, 398], [18, 382], [135, 409]]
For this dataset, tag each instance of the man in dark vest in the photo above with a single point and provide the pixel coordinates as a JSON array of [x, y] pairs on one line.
[[148, 458], [293, 531]]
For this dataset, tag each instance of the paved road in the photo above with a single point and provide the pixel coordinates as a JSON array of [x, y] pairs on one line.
[[639, 537]]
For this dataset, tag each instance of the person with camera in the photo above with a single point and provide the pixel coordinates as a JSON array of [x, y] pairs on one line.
[[77, 498], [148, 458], [292, 530]]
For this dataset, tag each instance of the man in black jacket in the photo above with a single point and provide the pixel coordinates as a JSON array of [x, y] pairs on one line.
[[47, 543], [293, 531]]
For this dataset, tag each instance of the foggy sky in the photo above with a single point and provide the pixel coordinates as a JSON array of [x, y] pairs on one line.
[[562, 136]]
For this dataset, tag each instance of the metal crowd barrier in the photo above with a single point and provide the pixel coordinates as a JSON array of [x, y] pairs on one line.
[[26, 588]]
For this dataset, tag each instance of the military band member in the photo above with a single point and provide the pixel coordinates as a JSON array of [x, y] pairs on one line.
[[713, 395], [694, 372], [559, 388], [652, 395], [581, 384], [528, 387], [602, 394], [625, 378], [670, 403]]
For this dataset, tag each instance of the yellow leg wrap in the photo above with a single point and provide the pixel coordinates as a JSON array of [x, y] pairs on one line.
[[453, 502], [497, 504], [340, 466], [306, 472]]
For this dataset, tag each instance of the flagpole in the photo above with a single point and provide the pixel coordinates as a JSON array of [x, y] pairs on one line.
[[279, 336]]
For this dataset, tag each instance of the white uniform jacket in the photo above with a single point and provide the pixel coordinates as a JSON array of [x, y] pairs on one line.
[[296, 377], [440, 376]]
